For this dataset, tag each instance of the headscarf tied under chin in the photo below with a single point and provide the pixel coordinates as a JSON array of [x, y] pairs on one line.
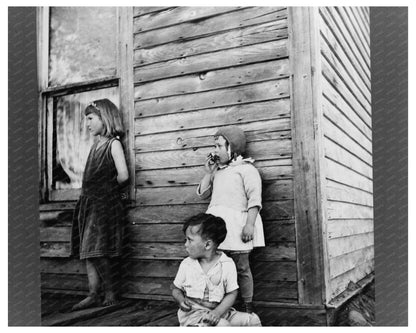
[[236, 140]]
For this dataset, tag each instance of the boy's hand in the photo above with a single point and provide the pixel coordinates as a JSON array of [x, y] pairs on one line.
[[211, 318], [185, 305], [247, 234]]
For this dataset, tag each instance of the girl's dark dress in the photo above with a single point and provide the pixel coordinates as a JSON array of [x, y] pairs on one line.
[[99, 213]]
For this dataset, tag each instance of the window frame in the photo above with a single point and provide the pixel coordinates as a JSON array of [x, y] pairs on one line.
[[123, 80]]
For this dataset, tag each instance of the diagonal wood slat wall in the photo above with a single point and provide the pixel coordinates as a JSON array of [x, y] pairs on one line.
[[346, 107]]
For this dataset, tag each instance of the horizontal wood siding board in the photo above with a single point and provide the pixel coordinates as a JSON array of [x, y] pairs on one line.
[[347, 74], [343, 175], [338, 135], [349, 227], [273, 291], [340, 120], [214, 102], [177, 15], [364, 62], [262, 271], [57, 207], [74, 282], [205, 27], [338, 153], [339, 192], [138, 11], [264, 290], [331, 95], [275, 210], [260, 151], [152, 268], [340, 40], [340, 283], [55, 219], [62, 266], [349, 261], [192, 175], [339, 85], [211, 61], [54, 249], [213, 79], [219, 115], [272, 252], [273, 271], [165, 233], [340, 246], [272, 190], [344, 210], [55, 234], [252, 35], [279, 130]]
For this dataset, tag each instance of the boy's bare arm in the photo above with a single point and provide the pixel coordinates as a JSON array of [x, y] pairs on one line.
[[226, 303], [180, 298]]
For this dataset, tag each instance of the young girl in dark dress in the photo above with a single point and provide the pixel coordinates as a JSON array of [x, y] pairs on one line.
[[99, 214]]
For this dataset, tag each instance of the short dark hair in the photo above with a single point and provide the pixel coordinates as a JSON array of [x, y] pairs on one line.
[[212, 227]]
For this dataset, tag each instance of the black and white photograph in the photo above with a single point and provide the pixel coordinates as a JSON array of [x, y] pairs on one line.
[[205, 166]]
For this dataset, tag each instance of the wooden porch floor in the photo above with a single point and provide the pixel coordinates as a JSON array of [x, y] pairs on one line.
[[56, 311]]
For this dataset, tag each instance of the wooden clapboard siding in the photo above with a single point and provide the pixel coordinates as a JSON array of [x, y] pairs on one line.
[[221, 115], [346, 109], [265, 32], [255, 131], [270, 170], [273, 210], [197, 69], [230, 19], [341, 41], [278, 189], [214, 79], [275, 231], [138, 11], [205, 62]]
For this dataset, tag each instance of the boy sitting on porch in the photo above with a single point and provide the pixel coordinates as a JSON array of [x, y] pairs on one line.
[[206, 286]]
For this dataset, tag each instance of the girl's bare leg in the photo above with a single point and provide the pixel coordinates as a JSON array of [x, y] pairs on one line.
[[93, 283], [108, 281]]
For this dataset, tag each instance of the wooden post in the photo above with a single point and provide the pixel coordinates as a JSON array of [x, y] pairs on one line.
[[306, 141], [125, 67], [42, 26]]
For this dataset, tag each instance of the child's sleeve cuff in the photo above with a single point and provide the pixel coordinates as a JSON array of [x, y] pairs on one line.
[[205, 194]]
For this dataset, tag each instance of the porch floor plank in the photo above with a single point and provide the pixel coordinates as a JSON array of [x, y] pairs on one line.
[[56, 311]]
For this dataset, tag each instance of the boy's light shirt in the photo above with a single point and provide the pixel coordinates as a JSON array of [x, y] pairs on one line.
[[220, 279]]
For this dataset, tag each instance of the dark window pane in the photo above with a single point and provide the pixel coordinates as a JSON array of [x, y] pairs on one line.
[[82, 44]]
